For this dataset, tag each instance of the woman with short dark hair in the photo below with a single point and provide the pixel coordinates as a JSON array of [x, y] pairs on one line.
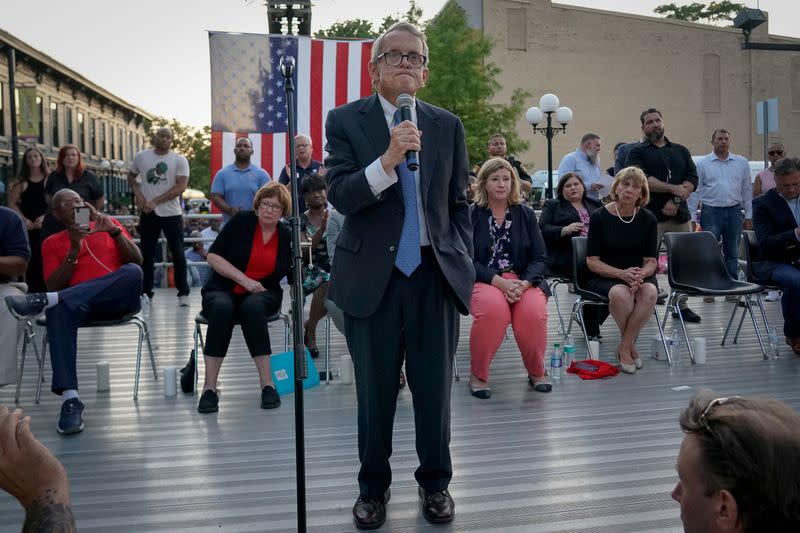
[[248, 259]]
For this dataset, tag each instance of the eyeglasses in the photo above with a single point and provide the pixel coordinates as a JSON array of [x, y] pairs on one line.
[[703, 418], [394, 58], [775, 152], [265, 206]]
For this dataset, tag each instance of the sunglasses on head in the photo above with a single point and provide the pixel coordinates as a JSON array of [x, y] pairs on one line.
[[775, 152]]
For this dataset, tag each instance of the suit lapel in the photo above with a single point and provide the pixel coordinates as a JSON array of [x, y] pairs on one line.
[[373, 124], [428, 124]]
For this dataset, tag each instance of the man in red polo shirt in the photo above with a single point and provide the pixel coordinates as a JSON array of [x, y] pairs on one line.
[[89, 273]]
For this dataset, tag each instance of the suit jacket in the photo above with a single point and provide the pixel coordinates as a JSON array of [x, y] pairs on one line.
[[774, 225], [528, 254], [556, 214], [366, 247], [234, 243]]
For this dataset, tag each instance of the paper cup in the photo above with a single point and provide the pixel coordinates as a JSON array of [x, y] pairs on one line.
[[103, 376], [346, 369], [594, 350], [700, 350], [170, 381]]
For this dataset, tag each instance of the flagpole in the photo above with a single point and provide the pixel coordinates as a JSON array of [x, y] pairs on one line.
[[300, 367]]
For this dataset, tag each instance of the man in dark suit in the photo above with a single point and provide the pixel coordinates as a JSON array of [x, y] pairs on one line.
[[776, 220], [402, 269]]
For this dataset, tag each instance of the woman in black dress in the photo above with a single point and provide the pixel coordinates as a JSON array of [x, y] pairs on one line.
[[26, 197], [622, 252]]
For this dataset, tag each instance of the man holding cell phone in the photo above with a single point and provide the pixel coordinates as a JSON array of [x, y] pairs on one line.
[[91, 269]]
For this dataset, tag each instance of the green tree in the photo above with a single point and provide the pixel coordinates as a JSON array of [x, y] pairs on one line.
[[363, 29], [195, 145], [713, 12], [464, 83]]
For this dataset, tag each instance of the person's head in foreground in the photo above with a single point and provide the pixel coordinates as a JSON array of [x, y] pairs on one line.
[[739, 465]]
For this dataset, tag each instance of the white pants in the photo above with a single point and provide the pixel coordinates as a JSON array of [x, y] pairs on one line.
[[10, 334]]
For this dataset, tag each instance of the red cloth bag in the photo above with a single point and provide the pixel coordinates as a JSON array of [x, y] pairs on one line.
[[592, 369]]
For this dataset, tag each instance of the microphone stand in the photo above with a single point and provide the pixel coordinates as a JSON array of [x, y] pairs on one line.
[[300, 367]]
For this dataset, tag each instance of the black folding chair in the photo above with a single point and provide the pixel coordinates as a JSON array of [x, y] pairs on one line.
[[696, 268], [580, 275], [749, 251]]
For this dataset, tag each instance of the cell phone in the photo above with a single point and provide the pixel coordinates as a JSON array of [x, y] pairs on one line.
[[82, 217]]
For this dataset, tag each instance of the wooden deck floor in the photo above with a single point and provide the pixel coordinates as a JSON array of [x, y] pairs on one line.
[[592, 456]]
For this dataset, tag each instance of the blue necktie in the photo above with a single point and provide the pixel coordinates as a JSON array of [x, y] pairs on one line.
[[408, 253]]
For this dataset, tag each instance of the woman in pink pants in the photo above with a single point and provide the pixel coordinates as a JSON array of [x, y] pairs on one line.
[[510, 265]]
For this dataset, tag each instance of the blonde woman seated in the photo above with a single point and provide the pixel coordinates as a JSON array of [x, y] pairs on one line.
[[510, 266], [621, 253]]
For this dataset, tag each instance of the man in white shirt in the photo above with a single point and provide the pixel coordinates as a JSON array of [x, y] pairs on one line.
[[724, 189], [158, 177], [585, 163]]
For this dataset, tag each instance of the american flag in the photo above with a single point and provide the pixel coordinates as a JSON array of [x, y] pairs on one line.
[[248, 98]]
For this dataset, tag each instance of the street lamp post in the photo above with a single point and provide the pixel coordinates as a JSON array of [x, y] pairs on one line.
[[548, 104]]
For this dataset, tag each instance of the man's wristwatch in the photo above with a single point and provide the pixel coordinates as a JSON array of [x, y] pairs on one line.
[[72, 258], [677, 199], [115, 233]]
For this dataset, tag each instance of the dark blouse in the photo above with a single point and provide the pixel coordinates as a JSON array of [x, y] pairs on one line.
[[32, 202], [234, 244], [527, 253], [622, 245], [87, 186], [556, 214]]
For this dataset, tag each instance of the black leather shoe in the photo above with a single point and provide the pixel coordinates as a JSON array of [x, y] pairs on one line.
[[437, 506], [688, 316], [370, 512]]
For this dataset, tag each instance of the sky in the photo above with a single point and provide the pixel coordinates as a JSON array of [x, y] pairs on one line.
[[154, 53]]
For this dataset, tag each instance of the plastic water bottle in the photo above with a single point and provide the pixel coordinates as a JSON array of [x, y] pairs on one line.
[[773, 352], [556, 362], [675, 347], [145, 306], [569, 350]]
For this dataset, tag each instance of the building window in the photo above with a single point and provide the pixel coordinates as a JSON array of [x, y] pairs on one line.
[[93, 136], [54, 124], [2, 111], [711, 83], [102, 139], [112, 138], [517, 29], [68, 125], [81, 133]]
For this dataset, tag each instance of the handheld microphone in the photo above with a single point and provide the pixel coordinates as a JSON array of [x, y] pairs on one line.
[[404, 103], [287, 66]]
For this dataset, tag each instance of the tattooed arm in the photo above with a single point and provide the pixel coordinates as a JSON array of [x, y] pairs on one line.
[[30, 473]]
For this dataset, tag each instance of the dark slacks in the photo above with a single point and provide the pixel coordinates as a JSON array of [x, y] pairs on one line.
[[788, 278], [416, 320], [111, 296], [150, 228], [223, 309]]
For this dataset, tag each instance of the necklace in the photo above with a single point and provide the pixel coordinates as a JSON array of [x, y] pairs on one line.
[[635, 210]]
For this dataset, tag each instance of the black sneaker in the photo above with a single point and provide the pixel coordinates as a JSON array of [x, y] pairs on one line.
[[688, 316], [209, 402], [269, 398], [27, 305], [70, 421]]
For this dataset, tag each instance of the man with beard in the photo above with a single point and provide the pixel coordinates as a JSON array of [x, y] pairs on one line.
[[671, 177], [585, 163], [235, 185]]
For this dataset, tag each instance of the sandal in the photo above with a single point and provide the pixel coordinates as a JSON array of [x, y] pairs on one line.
[[540, 383]]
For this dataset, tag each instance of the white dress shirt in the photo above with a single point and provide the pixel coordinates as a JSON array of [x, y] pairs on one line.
[[723, 183], [379, 180]]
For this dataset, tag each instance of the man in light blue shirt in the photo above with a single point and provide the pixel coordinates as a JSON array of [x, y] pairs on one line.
[[235, 185], [585, 163], [724, 189]]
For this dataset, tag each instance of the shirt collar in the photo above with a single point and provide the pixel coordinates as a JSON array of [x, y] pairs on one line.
[[713, 156], [389, 108], [245, 169], [646, 142]]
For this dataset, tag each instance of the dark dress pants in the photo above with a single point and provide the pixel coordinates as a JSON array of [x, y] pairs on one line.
[[416, 320], [112, 296], [223, 309], [150, 227]]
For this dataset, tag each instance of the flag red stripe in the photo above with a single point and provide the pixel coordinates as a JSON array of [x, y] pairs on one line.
[[342, 50], [266, 153], [366, 79], [216, 153], [317, 59]]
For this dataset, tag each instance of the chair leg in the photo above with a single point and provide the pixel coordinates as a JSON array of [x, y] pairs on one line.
[[327, 349], [287, 328], [138, 362], [661, 332], [755, 327], [739, 327], [456, 373], [198, 334], [41, 368], [28, 332], [554, 291], [685, 333], [760, 303], [728, 327], [582, 323]]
